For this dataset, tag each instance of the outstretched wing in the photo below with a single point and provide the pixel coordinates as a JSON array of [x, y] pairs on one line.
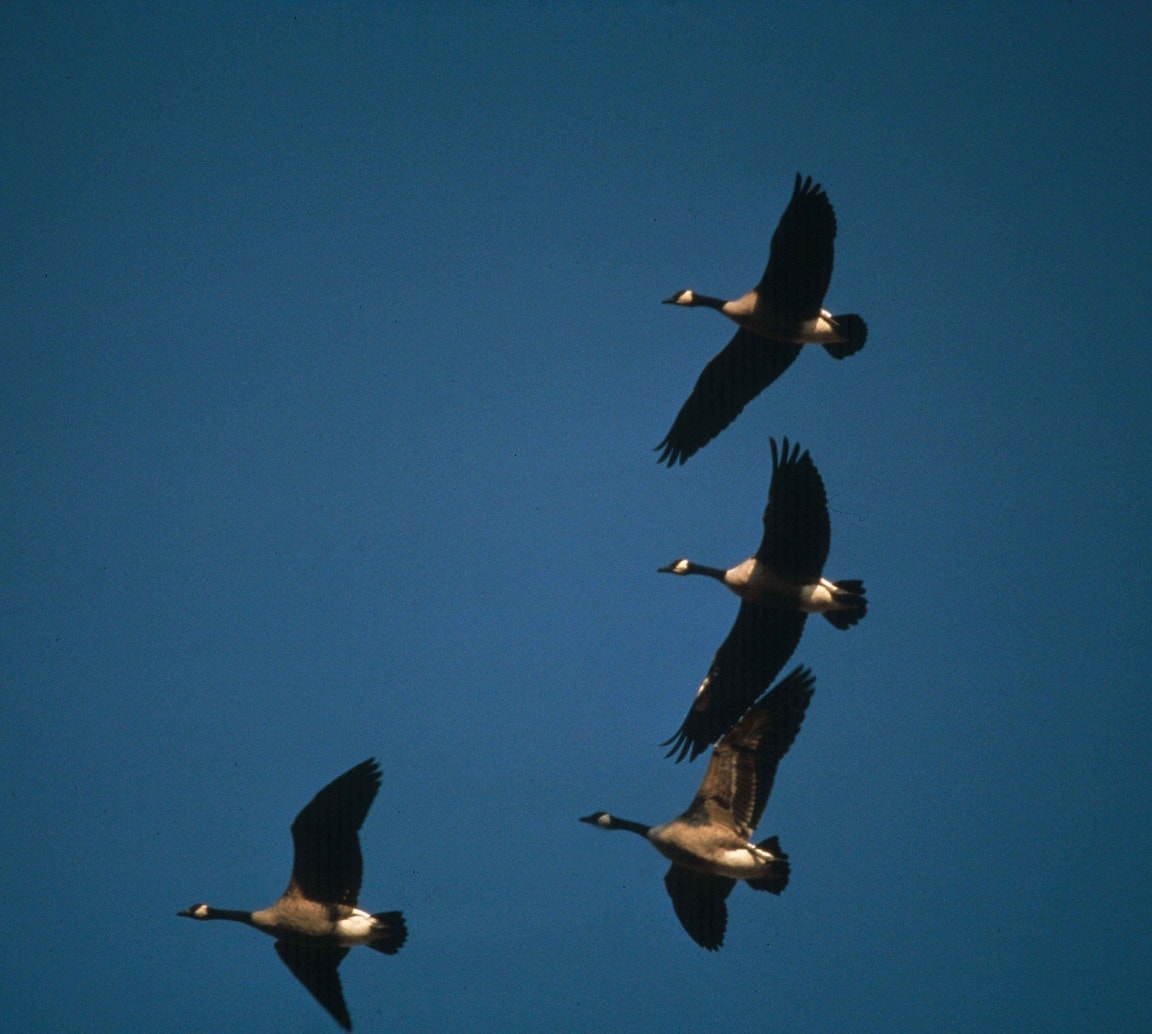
[[759, 645], [700, 903], [328, 866], [730, 380], [800, 262], [797, 532], [740, 774], [316, 968]]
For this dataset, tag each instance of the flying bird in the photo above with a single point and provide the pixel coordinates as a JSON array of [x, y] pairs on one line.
[[710, 845], [779, 587], [779, 315], [316, 920]]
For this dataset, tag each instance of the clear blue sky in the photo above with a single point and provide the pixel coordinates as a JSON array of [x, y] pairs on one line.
[[331, 365]]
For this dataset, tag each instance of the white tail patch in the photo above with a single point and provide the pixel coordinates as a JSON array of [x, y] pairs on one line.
[[815, 599], [358, 928]]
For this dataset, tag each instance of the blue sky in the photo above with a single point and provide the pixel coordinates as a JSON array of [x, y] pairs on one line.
[[332, 363]]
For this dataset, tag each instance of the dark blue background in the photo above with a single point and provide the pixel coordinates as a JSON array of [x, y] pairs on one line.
[[331, 363]]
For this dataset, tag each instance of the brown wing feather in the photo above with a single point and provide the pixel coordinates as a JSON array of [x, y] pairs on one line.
[[740, 774]]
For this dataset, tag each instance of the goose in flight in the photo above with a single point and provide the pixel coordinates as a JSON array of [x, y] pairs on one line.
[[778, 316], [779, 587], [710, 845], [316, 920]]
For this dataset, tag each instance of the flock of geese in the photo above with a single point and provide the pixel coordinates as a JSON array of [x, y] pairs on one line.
[[317, 919]]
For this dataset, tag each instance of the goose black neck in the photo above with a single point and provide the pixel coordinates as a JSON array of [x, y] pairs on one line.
[[236, 915], [709, 301]]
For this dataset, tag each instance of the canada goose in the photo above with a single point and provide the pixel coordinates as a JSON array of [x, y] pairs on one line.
[[710, 844], [776, 317], [779, 586], [316, 920]]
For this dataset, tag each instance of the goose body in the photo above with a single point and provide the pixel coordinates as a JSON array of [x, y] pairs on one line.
[[780, 315], [304, 922], [316, 920], [713, 849], [756, 582], [753, 312], [710, 845], [779, 586]]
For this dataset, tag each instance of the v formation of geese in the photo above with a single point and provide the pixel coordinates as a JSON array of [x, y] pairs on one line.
[[710, 845], [317, 919]]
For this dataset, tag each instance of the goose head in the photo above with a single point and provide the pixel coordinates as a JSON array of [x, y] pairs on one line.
[[200, 911], [685, 297], [606, 821], [681, 566]]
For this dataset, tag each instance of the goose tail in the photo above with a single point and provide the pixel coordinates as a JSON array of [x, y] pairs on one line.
[[849, 604], [855, 332], [776, 879], [391, 932]]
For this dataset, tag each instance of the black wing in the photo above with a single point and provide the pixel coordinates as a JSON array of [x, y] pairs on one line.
[[800, 263], [797, 533], [732, 379], [759, 645], [316, 969], [699, 900], [328, 866]]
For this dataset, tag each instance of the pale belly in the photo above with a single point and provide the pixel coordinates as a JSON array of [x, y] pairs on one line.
[[753, 581], [819, 331], [311, 924], [758, 583], [724, 855]]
